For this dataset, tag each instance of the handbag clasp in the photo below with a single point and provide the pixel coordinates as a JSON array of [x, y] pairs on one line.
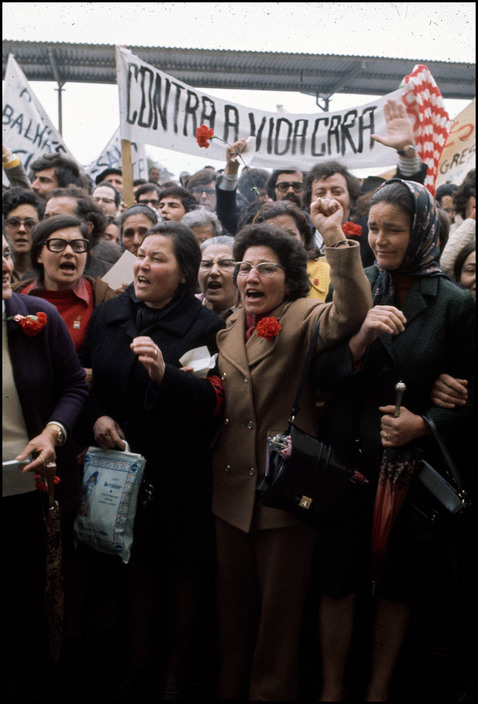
[[305, 502]]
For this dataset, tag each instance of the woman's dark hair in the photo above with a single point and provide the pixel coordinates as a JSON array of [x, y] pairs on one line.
[[186, 250], [48, 227], [138, 209], [464, 192], [13, 197], [285, 207], [326, 170], [291, 254], [398, 194], [461, 257]]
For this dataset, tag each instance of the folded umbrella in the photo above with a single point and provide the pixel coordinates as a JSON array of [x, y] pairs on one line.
[[398, 468]]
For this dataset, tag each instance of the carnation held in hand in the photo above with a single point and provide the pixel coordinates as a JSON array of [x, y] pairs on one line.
[[203, 135]]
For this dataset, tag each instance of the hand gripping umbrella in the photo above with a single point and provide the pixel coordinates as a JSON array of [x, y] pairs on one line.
[[398, 468]]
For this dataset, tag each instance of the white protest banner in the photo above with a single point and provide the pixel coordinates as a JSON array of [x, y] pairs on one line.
[[27, 130], [157, 109], [459, 155], [111, 157]]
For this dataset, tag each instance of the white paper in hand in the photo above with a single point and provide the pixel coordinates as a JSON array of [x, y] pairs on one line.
[[200, 360]]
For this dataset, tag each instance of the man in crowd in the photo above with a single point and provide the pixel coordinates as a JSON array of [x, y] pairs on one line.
[[175, 202], [107, 197], [148, 193], [111, 175], [202, 185], [53, 171], [154, 175]]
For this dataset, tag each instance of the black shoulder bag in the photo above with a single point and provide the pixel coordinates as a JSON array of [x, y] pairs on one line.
[[439, 492], [304, 475]]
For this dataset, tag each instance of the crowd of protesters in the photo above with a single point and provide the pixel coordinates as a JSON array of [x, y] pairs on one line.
[[224, 598]]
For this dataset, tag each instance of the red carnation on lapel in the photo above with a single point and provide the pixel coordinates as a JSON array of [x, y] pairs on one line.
[[31, 324], [268, 328]]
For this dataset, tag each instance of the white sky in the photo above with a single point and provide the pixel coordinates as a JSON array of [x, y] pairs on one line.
[[421, 32]]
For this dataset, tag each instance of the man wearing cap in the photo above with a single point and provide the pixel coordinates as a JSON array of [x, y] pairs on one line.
[[111, 175]]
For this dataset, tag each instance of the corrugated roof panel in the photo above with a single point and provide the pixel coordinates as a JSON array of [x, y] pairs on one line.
[[307, 73]]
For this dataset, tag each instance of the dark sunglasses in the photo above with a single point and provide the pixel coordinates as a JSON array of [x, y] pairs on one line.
[[284, 186]]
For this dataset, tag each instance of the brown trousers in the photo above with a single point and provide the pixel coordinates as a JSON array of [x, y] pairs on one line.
[[263, 577]]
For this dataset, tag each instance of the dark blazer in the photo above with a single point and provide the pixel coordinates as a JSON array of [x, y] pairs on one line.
[[50, 384], [170, 424]]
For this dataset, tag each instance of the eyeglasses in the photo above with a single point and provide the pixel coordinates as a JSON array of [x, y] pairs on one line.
[[284, 186], [448, 211], [223, 264], [263, 269], [15, 223], [97, 199], [57, 245], [149, 201], [198, 191]]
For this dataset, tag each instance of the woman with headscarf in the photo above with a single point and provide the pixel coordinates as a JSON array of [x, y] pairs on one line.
[[421, 325]]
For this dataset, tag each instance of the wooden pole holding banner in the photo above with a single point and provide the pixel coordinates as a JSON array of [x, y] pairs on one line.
[[126, 161]]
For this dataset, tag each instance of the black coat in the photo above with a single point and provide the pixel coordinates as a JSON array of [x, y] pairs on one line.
[[171, 424], [439, 337]]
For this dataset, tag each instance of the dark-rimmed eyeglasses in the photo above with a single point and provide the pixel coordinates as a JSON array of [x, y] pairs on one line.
[[284, 186], [223, 264], [263, 269], [15, 223], [57, 245]]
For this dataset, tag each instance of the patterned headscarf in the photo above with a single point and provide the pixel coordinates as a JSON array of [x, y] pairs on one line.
[[421, 257]]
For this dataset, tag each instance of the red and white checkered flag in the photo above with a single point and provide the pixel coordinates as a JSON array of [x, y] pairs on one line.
[[424, 103]]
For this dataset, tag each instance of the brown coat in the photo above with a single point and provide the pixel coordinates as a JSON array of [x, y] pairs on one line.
[[260, 382]]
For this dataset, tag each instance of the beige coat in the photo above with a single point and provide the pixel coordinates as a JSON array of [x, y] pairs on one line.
[[261, 378]]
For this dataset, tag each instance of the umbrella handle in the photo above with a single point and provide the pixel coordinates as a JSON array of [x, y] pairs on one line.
[[399, 391]]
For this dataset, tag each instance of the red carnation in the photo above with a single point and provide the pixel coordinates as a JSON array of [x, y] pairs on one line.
[[31, 324], [203, 135], [351, 229], [268, 328]]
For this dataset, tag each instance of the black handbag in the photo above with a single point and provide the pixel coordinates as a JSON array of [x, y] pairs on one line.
[[438, 492], [304, 475]]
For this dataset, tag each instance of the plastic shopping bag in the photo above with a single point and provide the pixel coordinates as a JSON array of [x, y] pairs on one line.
[[111, 482]]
